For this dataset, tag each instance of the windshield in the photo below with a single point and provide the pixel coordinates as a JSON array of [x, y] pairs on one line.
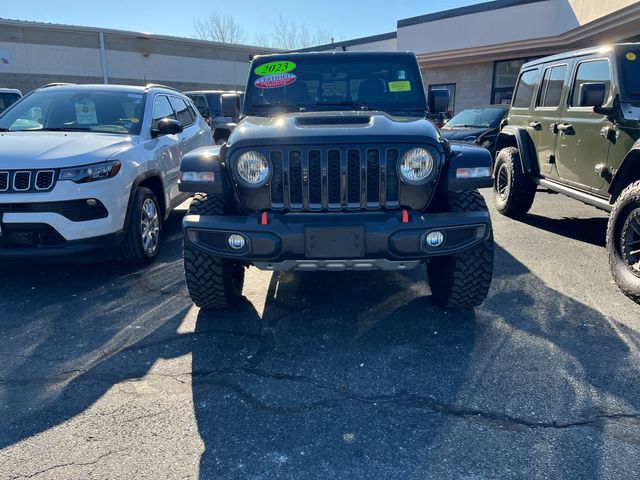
[[76, 110], [7, 99], [476, 117], [335, 82], [629, 62]]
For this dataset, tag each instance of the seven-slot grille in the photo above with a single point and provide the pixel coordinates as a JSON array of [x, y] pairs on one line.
[[334, 178], [21, 181]]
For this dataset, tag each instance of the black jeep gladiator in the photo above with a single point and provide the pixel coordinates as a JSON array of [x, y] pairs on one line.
[[334, 166]]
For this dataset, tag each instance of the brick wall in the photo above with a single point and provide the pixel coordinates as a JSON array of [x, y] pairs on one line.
[[473, 82]]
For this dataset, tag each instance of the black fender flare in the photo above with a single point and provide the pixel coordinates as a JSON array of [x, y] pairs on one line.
[[468, 156], [204, 159], [513, 136], [136, 183], [628, 172]]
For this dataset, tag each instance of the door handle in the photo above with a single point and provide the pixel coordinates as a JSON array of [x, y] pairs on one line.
[[566, 128], [535, 125], [554, 128]]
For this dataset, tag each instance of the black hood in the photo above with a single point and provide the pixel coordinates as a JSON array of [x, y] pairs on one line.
[[460, 134]]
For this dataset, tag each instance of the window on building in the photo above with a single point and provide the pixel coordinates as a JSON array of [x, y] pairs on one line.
[[452, 94], [524, 90], [591, 71], [505, 74], [552, 84]]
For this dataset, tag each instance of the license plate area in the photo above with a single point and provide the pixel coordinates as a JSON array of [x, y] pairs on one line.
[[334, 242]]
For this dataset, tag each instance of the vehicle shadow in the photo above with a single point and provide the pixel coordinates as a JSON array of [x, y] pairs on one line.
[[588, 230], [350, 375], [361, 376]]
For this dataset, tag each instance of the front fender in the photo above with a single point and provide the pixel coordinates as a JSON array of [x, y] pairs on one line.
[[204, 159], [628, 172], [470, 167], [513, 136]]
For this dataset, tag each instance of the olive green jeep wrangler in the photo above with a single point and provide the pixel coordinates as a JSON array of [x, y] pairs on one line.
[[574, 128]]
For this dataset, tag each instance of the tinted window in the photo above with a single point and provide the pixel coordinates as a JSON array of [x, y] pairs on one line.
[[552, 84], [201, 104], [524, 89], [588, 72], [8, 99], [182, 111], [80, 109], [629, 61], [213, 100], [161, 109], [335, 82]]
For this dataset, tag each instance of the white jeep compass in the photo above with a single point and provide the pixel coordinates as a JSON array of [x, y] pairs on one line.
[[91, 171]]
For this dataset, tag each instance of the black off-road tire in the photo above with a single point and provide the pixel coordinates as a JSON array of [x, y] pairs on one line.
[[132, 251], [624, 216], [214, 283], [463, 280], [513, 191]]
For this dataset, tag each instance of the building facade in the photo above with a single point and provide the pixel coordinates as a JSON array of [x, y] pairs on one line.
[[476, 51], [33, 54]]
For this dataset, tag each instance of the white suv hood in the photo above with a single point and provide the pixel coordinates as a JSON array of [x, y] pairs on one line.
[[32, 150]]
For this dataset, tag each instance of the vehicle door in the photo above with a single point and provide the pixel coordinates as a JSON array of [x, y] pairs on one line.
[[547, 113], [582, 149], [524, 114], [167, 148]]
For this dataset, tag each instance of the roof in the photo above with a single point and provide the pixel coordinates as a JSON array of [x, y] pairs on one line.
[[206, 92], [468, 10], [139, 35], [579, 53], [111, 87], [349, 43], [330, 55]]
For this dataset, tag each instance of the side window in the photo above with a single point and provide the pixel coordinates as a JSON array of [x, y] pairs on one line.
[[182, 111], [201, 104], [161, 109], [588, 72], [551, 89], [524, 89]]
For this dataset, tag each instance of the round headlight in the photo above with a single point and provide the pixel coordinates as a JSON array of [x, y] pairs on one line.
[[252, 167], [417, 165]]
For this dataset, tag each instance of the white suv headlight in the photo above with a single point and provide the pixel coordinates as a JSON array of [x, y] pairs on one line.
[[417, 165], [252, 167]]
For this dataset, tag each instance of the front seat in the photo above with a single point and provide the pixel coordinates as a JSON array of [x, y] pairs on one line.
[[371, 88]]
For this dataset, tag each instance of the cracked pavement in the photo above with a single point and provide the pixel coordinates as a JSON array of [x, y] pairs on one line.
[[108, 372]]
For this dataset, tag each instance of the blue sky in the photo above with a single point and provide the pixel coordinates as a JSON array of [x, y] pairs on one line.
[[344, 18]]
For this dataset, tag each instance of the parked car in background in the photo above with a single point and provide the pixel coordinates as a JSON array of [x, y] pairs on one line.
[[574, 128], [8, 96], [208, 104], [92, 171], [477, 125]]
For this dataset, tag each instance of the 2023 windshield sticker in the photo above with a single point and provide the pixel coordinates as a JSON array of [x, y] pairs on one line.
[[273, 68], [275, 81]]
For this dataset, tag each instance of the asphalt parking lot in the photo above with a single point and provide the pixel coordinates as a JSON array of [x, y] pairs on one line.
[[108, 372]]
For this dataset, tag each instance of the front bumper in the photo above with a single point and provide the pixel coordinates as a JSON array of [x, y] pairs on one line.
[[312, 237]]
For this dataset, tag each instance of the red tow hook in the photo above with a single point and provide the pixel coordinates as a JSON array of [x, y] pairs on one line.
[[264, 220], [405, 216]]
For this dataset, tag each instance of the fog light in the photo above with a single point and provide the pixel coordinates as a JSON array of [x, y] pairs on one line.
[[236, 241], [435, 239], [92, 202]]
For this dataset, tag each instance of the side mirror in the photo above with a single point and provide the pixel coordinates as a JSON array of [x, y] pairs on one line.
[[167, 126], [230, 105], [439, 101], [592, 94]]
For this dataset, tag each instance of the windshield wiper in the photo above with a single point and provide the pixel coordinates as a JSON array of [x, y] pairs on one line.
[[280, 105], [346, 103], [63, 129]]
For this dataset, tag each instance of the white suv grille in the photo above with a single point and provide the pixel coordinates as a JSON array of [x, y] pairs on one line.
[[23, 181]]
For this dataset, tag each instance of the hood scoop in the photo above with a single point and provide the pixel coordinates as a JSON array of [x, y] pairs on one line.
[[333, 121]]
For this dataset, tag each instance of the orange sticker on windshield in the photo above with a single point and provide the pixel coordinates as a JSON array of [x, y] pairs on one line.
[[631, 56], [400, 86]]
